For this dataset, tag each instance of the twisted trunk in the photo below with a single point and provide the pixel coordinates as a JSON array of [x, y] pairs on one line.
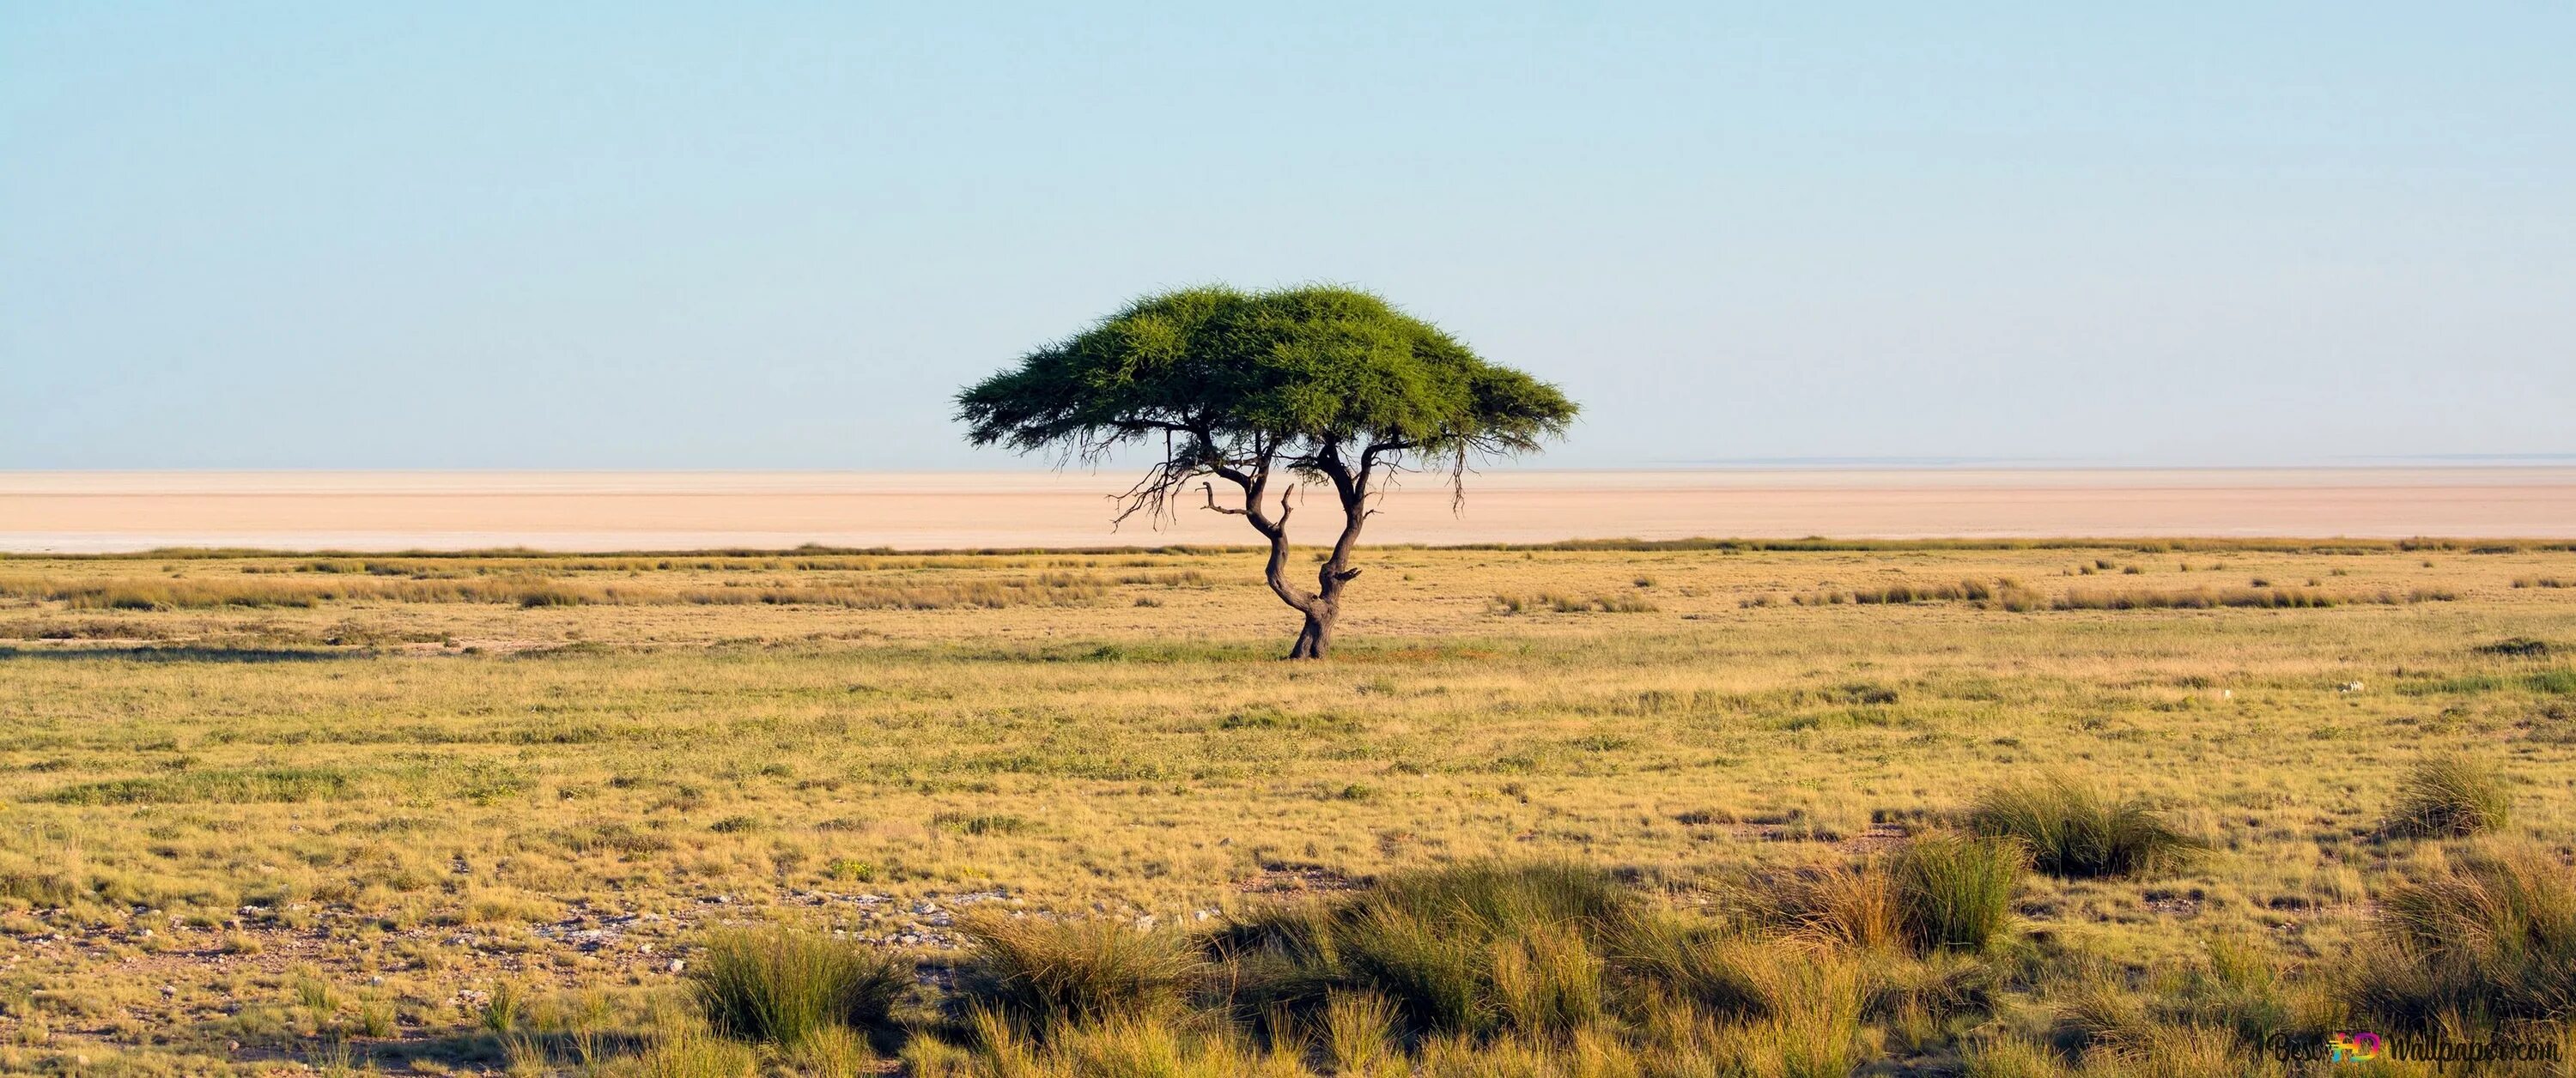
[[1322, 606]]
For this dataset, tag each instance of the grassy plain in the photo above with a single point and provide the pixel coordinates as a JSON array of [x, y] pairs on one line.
[[456, 814]]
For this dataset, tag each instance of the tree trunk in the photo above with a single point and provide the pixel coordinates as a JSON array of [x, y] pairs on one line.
[[1316, 639], [1323, 605]]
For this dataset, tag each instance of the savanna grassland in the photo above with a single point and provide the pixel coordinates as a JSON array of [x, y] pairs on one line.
[[1696, 809]]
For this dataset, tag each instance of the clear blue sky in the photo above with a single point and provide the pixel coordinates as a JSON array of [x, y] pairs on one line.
[[781, 235]]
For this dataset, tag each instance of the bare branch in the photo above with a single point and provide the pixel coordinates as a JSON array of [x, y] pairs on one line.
[[1210, 488]]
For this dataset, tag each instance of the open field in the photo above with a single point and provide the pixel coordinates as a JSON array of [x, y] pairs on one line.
[[475, 813], [112, 511]]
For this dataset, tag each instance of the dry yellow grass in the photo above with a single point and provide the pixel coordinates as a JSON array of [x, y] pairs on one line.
[[409, 792]]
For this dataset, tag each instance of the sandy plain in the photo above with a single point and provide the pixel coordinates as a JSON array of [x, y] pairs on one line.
[[73, 512]]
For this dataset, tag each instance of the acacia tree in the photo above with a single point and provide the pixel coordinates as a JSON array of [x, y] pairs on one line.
[[1268, 392]]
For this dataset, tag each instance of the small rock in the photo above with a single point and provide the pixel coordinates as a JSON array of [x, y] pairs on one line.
[[677, 965]]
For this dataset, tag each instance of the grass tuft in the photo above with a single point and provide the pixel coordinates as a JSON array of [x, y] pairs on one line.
[[2074, 831], [2261, 598], [1954, 892], [2449, 796], [783, 986], [1045, 973], [2492, 938]]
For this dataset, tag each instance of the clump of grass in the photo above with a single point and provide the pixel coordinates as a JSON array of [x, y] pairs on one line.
[[1844, 905], [2493, 938], [1810, 1024], [2516, 647], [376, 1019], [2011, 1057], [315, 993], [1936, 893], [504, 1009], [1359, 1032], [2012, 596], [999, 823], [1901, 594], [1477, 949], [2073, 831], [1954, 892], [1573, 604], [38, 885], [784, 986], [2449, 796], [2544, 582], [1926, 1001], [680, 1048], [1045, 973], [2265, 598], [1047, 589]]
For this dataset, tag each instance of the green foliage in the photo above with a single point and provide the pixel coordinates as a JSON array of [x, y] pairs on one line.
[[2071, 830], [785, 986], [2449, 796], [1309, 365]]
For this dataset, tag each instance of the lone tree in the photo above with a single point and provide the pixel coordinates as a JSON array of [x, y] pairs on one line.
[[1268, 391]]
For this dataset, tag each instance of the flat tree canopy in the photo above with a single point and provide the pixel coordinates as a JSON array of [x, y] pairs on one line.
[[1267, 391]]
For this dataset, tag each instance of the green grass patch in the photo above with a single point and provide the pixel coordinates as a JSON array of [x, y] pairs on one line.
[[224, 787]]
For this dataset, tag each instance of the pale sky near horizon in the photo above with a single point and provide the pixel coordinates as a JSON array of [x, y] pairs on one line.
[[781, 235]]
